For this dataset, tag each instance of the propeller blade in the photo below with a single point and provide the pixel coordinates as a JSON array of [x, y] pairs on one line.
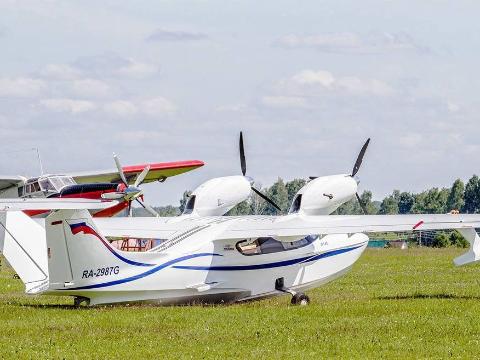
[[358, 163], [142, 176], [120, 170], [264, 197], [148, 208], [243, 162], [130, 212], [362, 205]]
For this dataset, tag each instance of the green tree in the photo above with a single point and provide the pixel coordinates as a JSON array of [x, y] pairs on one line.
[[455, 199], [279, 194], [433, 201], [406, 201], [472, 196], [242, 208], [389, 205]]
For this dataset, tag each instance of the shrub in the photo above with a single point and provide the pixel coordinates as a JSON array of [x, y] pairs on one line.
[[456, 239], [441, 240]]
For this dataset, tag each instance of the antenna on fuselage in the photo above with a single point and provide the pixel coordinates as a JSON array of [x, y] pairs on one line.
[[39, 160]]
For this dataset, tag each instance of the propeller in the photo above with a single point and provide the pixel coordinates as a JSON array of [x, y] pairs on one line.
[[133, 192], [358, 163], [243, 165], [356, 167]]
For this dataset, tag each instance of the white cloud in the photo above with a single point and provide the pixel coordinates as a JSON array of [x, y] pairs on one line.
[[359, 86], [157, 106], [122, 108], [284, 101], [68, 105], [21, 87], [321, 77], [231, 108], [112, 65], [60, 72], [90, 88], [175, 35], [348, 42], [348, 84], [410, 140], [137, 69], [453, 107]]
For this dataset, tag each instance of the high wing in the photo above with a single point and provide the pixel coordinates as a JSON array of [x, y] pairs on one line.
[[53, 204], [287, 227], [10, 181], [158, 172]]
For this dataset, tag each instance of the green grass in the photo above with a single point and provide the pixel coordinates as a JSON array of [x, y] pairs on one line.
[[393, 304]]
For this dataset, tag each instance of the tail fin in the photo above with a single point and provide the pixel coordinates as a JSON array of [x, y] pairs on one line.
[[24, 247], [79, 256], [23, 240]]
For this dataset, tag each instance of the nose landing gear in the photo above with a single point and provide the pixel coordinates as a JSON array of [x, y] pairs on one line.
[[297, 298], [300, 299]]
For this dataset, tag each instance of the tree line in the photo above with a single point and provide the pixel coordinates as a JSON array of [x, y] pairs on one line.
[[460, 197]]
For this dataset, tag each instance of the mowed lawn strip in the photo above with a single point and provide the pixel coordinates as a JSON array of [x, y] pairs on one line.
[[394, 303]]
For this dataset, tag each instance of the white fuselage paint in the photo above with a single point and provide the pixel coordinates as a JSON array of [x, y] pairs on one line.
[[219, 274]]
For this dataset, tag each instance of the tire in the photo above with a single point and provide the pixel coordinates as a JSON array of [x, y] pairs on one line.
[[300, 299], [78, 300]]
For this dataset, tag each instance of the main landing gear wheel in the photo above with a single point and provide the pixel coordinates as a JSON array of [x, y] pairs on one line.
[[78, 300], [300, 299]]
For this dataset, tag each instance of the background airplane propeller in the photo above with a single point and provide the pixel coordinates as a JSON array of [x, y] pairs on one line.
[[243, 164], [131, 192]]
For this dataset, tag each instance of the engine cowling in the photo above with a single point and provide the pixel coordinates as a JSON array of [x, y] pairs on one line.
[[217, 196], [324, 195]]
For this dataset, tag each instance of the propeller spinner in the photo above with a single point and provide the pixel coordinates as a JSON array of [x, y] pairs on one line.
[[133, 192]]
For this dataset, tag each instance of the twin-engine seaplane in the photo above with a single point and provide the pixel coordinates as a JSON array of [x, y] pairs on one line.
[[202, 255], [121, 184]]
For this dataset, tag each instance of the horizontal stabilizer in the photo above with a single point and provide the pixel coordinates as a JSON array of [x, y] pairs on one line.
[[54, 204]]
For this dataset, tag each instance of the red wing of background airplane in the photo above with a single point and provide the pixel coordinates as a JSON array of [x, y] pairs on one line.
[[122, 185]]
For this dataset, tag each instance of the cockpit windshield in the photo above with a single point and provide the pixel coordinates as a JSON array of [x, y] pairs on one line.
[[55, 183]]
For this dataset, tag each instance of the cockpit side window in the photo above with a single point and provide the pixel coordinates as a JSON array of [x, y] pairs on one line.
[[295, 208], [269, 245], [189, 205], [46, 185]]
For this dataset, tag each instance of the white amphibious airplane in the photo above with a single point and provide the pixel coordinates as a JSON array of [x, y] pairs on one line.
[[202, 256]]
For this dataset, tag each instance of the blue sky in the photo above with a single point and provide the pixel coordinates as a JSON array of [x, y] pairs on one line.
[[307, 81]]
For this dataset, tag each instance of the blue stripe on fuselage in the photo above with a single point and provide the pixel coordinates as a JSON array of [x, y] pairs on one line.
[[215, 268], [269, 265]]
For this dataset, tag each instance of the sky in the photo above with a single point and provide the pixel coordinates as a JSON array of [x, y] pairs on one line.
[[307, 81]]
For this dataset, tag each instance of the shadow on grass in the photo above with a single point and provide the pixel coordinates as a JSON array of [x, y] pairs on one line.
[[428, 296]]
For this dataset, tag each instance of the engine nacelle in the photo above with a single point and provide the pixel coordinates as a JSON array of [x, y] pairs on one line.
[[217, 196], [324, 195]]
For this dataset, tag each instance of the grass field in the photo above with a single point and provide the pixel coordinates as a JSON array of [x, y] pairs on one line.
[[393, 304]]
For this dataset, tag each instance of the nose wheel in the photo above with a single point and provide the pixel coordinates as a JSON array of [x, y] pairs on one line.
[[300, 299]]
